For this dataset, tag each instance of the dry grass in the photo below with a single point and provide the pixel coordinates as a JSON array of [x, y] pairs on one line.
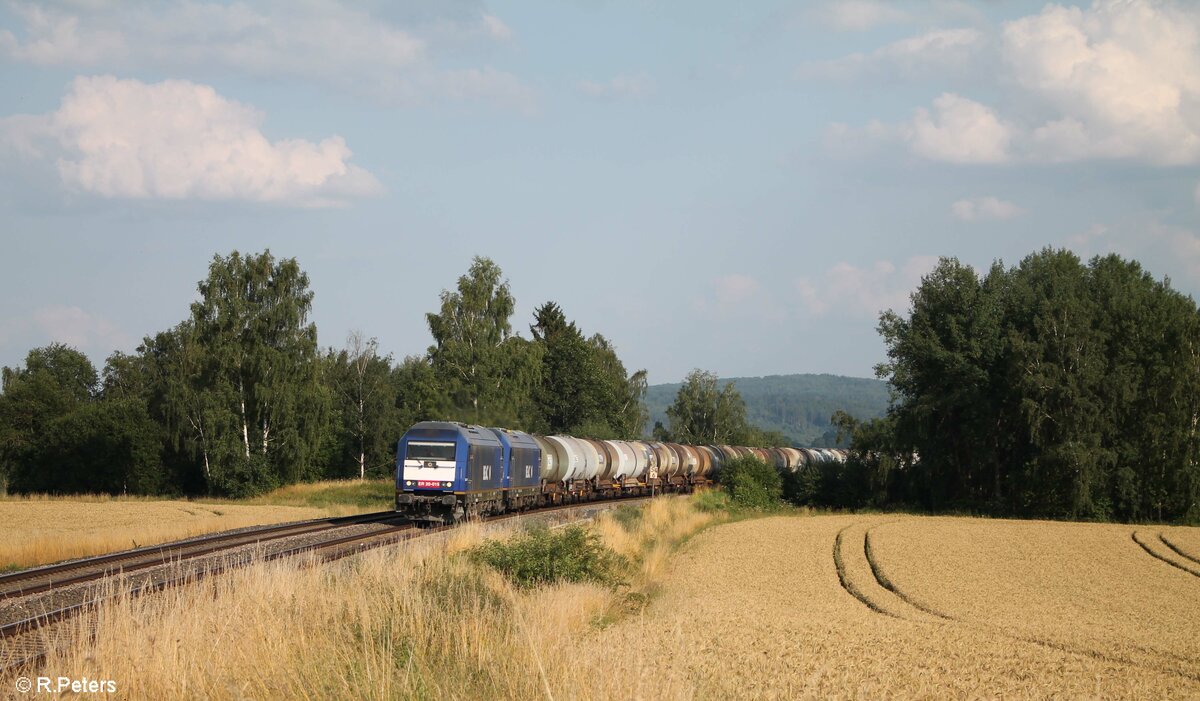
[[41, 529], [754, 609], [413, 621]]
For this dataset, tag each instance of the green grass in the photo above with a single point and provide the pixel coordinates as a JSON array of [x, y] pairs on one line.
[[365, 495]]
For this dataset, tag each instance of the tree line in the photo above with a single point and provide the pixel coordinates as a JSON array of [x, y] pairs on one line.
[[1053, 388], [238, 398]]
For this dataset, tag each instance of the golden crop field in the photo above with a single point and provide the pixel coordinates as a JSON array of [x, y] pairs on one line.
[[42, 529], [786, 607], [942, 607]]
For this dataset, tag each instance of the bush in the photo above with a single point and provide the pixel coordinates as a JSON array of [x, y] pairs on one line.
[[802, 487], [542, 556], [712, 500], [751, 483]]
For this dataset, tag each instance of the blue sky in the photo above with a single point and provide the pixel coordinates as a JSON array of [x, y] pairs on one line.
[[740, 188]]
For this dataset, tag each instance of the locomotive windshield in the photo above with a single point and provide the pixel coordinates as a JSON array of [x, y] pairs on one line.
[[430, 451]]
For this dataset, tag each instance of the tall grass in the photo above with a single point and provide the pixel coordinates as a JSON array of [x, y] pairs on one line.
[[414, 621]]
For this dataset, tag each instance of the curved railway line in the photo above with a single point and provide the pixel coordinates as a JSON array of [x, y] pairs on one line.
[[27, 640], [43, 579]]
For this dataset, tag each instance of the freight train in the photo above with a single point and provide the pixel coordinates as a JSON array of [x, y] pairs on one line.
[[447, 472]]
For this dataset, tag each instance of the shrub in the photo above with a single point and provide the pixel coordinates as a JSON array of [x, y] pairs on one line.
[[542, 556], [711, 500], [751, 483]]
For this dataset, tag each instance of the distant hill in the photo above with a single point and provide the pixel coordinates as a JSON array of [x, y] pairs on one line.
[[799, 406]]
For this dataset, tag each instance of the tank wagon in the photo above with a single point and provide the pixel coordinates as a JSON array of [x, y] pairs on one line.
[[446, 472]]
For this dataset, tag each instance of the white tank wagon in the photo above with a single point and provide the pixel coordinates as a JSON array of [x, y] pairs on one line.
[[624, 459], [588, 460], [568, 457], [551, 468]]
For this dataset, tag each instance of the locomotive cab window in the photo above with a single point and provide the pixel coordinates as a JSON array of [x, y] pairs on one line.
[[431, 451]]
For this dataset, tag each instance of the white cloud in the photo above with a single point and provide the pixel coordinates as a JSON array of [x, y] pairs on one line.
[[340, 44], [1120, 80], [913, 57], [984, 208], [849, 290], [959, 130], [76, 327], [861, 15], [1117, 81], [181, 140], [618, 87]]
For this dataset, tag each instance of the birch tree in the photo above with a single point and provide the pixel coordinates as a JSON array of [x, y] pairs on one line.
[[468, 334], [365, 396], [259, 353]]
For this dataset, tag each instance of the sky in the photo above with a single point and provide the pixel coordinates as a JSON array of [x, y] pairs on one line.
[[737, 187]]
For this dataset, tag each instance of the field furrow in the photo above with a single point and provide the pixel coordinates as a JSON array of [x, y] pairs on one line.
[[1179, 541], [854, 573], [1078, 588], [881, 577], [1157, 547], [755, 610]]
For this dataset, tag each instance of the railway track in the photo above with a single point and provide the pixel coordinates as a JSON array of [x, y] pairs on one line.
[[43, 579], [27, 641]]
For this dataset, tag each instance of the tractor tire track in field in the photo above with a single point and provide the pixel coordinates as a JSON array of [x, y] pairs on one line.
[[886, 583], [1166, 660], [1178, 551], [851, 588], [1147, 545]]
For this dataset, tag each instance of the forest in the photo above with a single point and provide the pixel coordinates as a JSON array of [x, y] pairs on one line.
[[798, 406], [238, 398], [1054, 388]]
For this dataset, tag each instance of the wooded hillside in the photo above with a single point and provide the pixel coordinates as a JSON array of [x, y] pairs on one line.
[[798, 406]]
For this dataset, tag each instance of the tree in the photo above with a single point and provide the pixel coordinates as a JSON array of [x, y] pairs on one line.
[[190, 408], [1053, 388], [567, 395], [488, 373], [419, 397], [468, 335], [55, 381], [622, 397], [258, 355], [364, 399], [584, 389], [942, 370], [703, 414]]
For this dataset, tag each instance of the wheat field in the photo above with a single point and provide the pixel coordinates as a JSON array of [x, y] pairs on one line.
[[40, 529], [786, 607]]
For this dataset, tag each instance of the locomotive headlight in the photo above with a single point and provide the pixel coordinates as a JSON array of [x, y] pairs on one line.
[[407, 483], [447, 484]]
